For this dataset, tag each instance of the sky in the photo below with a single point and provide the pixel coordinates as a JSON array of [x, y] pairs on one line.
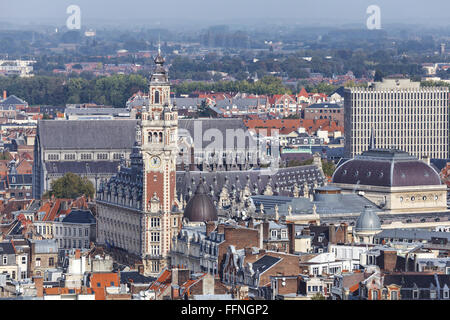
[[166, 13]]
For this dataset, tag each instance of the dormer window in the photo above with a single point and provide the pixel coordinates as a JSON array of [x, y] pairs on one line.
[[156, 96]]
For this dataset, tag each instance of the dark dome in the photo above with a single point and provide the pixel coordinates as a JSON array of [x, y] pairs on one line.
[[200, 207], [386, 168]]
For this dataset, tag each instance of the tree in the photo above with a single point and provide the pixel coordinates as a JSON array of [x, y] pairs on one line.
[[318, 296], [328, 168], [378, 76], [71, 186]]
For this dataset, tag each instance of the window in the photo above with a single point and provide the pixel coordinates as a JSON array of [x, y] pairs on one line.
[[69, 156], [86, 232], [446, 295], [154, 222], [53, 157], [416, 294], [23, 274], [154, 250], [24, 260], [80, 232], [102, 156], [374, 294], [5, 259], [154, 237], [432, 294], [51, 262], [316, 271], [273, 233], [86, 156], [38, 262]]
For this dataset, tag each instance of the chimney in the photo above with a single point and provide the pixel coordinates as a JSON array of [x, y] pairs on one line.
[[77, 254], [175, 292], [291, 235], [210, 227], [332, 233], [344, 227], [192, 164], [141, 269], [306, 231], [265, 230], [220, 228], [39, 284], [228, 230], [4, 94], [250, 224]]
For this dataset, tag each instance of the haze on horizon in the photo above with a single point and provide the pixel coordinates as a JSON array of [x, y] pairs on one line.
[[174, 13]]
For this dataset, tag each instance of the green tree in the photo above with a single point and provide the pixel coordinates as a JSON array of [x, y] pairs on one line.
[[71, 186], [318, 296], [328, 168]]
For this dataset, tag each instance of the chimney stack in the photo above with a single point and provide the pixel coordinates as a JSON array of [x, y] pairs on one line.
[[4, 94], [210, 227], [39, 284]]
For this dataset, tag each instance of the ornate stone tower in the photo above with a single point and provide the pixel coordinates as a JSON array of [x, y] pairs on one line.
[[159, 126]]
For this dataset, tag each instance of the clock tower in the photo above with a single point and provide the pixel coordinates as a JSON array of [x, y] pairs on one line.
[[159, 132]]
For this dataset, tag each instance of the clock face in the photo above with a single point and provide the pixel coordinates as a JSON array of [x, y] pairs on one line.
[[155, 162]]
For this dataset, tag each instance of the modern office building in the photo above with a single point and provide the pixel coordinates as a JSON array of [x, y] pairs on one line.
[[397, 113]]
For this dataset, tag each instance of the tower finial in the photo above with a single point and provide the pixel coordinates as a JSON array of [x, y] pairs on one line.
[[159, 44]]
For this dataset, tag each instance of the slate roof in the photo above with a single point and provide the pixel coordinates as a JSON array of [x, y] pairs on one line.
[[96, 111], [6, 248], [387, 168], [135, 277], [325, 105], [82, 134], [188, 125], [79, 216], [45, 246], [414, 234], [20, 179], [12, 100], [326, 204], [82, 167], [282, 181], [265, 263]]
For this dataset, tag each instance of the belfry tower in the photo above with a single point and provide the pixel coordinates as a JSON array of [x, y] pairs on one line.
[[159, 132]]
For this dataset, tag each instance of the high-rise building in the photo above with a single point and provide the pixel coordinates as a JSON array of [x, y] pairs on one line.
[[397, 113], [137, 210]]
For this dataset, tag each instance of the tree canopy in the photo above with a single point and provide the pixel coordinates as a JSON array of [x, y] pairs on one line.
[[71, 186]]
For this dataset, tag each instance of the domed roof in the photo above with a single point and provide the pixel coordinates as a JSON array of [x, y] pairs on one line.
[[386, 168], [368, 220], [200, 207]]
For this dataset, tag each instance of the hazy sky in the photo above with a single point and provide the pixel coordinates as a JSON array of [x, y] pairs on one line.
[[167, 12]]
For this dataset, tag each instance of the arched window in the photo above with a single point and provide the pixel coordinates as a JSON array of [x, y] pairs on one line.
[[156, 96], [160, 137]]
